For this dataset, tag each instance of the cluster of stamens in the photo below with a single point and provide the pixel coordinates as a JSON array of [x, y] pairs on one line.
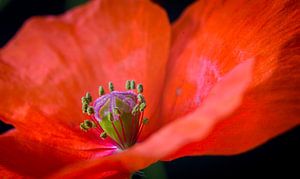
[[117, 115]]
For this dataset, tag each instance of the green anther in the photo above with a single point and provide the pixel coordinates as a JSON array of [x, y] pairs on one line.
[[90, 110], [103, 135], [89, 124], [84, 100], [135, 109], [83, 127], [85, 107], [88, 97], [140, 88], [145, 121], [132, 84], [140, 98], [86, 125], [101, 90], [127, 85], [142, 106], [110, 86]]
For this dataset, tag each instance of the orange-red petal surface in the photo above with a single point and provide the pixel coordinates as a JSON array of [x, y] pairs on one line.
[[53, 61], [24, 157], [214, 36], [223, 99]]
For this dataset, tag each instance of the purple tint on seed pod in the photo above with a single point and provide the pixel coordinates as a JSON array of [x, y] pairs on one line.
[[128, 97]]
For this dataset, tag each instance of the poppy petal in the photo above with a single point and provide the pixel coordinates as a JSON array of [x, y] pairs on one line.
[[223, 99], [21, 156], [53, 61], [8, 173], [105, 42], [214, 36], [57, 143], [43, 128]]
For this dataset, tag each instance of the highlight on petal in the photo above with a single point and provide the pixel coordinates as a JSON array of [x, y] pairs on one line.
[[27, 152], [223, 99], [24, 157], [208, 41], [56, 59], [53, 61], [9, 174]]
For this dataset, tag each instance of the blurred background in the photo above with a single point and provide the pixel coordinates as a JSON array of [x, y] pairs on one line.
[[277, 158]]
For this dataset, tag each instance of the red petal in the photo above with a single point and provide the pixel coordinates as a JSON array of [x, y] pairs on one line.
[[45, 151], [224, 98], [22, 156], [209, 40], [9, 174], [53, 61]]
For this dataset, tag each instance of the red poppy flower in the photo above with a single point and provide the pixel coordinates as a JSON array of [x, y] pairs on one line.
[[222, 80]]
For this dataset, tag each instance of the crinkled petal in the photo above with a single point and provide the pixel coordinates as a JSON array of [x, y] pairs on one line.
[[46, 152], [223, 99], [22, 156], [214, 36], [53, 61]]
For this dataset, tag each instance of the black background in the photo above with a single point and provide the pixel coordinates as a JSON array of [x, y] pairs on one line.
[[277, 158]]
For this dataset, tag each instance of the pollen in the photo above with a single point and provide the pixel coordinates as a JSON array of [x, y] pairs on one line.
[[118, 115]]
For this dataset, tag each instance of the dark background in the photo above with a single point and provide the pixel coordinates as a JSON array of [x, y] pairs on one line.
[[277, 158]]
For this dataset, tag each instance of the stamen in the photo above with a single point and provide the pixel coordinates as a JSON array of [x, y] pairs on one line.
[[127, 85], [86, 125], [123, 131], [138, 127], [132, 130], [84, 100], [144, 122], [103, 135], [140, 98], [140, 88], [116, 131], [88, 97], [117, 115], [142, 106], [135, 109], [83, 127], [101, 91], [132, 84], [111, 86], [85, 107], [90, 110], [89, 124]]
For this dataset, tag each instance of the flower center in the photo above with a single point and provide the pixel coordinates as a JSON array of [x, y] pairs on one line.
[[118, 115]]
